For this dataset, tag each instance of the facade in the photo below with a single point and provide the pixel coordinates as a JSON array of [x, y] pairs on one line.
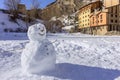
[[109, 3], [99, 22], [114, 18], [84, 15]]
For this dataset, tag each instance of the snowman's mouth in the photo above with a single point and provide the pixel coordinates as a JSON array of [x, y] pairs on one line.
[[41, 34]]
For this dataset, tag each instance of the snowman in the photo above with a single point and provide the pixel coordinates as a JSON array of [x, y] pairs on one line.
[[39, 54]]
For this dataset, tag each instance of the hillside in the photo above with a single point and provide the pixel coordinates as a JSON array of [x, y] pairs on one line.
[[8, 25]]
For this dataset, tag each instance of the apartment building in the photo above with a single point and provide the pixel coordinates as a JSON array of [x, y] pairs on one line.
[[84, 15]]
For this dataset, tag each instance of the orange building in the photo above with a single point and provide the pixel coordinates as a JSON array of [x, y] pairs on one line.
[[99, 22], [98, 19]]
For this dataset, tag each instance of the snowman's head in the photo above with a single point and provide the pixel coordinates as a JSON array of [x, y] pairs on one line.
[[37, 32]]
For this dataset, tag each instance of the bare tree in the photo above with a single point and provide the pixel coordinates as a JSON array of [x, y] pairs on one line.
[[12, 6], [35, 8], [35, 4]]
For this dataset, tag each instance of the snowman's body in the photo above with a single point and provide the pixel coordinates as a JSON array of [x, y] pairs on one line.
[[39, 54]]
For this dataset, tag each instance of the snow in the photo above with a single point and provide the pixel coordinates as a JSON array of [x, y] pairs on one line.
[[68, 27], [37, 32], [39, 54], [117, 78], [78, 58], [5, 23]]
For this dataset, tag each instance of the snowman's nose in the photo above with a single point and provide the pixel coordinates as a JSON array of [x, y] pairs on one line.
[[42, 30]]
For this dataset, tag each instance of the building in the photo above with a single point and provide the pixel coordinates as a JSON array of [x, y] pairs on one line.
[[99, 22], [84, 15], [109, 3], [114, 18], [22, 8], [100, 17]]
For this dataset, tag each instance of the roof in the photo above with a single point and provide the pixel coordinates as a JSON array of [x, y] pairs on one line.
[[98, 12], [90, 4], [51, 3], [21, 5]]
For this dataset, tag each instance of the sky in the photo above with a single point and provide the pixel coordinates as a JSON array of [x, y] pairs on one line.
[[43, 3]]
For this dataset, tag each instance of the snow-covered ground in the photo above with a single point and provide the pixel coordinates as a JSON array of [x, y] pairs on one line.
[[78, 57]]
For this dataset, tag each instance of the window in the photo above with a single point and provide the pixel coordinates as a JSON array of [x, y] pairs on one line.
[[115, 21], [111, 21], [117, 28], [116, 10], [93, 18], [100, 16], [111, 9], [110, 28], [111, 15]]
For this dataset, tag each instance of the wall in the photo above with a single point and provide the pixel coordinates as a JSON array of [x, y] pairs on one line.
[[108, 3]]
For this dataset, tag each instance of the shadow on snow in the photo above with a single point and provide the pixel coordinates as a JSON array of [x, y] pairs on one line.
[[79, 72]]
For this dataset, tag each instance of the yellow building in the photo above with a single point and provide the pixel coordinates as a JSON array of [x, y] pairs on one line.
[[109, 3], [84, 15]]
